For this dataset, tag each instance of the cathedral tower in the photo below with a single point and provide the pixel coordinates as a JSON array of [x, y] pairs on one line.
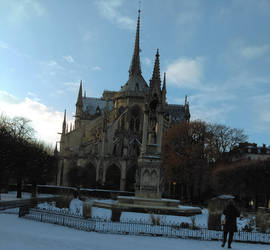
[[148, 183]]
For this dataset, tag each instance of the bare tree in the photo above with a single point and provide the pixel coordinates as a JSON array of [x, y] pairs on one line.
[[223, 139], [20, 128], [185, 160], [21, 156], [191, 149]]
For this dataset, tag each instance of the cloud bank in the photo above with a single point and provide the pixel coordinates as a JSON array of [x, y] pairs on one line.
[[44, 120], [185, 72], [110, 10]]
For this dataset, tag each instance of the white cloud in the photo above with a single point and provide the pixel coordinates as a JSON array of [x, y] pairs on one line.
[[69, 59], [110, 10], [3, 45], [51, 66], [252, 52], [7, 97], [185, 72], [188, 18], [146, 61], [33, 95], [72, 86], [46, 122], [87, 36], [96, 68], [210, 106], [211, 103], [21, 10], [259, 107]]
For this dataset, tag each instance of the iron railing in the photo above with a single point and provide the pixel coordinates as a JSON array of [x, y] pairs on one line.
[[137, 227]]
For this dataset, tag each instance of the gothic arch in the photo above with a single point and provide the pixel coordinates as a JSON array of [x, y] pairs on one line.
[[146, 177], [131, 178], [113, 177], [154, 177], [88, 176], [135, 118]]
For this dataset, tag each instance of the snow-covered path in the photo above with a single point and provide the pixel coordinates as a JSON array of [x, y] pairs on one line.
[[22, 234]]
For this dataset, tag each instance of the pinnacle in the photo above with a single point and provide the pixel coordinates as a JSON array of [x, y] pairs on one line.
[[164, 82], [79, 99], [156, 71]]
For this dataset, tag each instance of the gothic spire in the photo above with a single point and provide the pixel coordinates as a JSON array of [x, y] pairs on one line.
[[135, 67], [164, 91], [64, 124], [55, 150], [156, 71], [79, 99], [187, 113]]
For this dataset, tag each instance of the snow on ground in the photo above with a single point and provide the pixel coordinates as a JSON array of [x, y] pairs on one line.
[[200, 220], [17, 233], [11, 196]]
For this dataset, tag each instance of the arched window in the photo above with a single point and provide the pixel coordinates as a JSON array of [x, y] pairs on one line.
[[134, 124], [123, 123], [113, 175], [137, 86], [114, 150], [137, 124], [131, 124]]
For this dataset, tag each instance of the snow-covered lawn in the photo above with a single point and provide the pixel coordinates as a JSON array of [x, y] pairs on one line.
[[17, 233], [200, 220], [103, 213]]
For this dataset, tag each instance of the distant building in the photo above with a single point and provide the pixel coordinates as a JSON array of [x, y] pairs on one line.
[[107, 137], [249, 151]]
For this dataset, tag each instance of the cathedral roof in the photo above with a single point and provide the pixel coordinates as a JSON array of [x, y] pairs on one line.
[[91, 104], [177, 112], [135, 83]]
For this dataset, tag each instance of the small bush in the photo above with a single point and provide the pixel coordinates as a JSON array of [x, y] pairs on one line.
[[87, 210], [262, 222], [249, 227], [193, 225], [64, 201], [156, 220], [184, 225], [116, 214], [214, 220]]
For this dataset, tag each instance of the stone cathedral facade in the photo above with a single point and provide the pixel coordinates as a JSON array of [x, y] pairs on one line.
[[112, 133]]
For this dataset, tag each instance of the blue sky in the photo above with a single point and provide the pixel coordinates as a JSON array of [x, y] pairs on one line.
[[216, 52]]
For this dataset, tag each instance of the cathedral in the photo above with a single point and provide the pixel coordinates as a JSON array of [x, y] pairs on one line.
[[112, 133]]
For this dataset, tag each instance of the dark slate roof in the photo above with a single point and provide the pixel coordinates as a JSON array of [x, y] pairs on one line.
[[135, 83], [177, 112], [90, 105]]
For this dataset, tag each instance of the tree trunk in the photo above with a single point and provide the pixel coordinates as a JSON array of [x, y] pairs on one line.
[[182, 192], [19, 186], [34, 189]]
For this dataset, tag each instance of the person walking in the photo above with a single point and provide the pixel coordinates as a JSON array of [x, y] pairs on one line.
[[231, 213]]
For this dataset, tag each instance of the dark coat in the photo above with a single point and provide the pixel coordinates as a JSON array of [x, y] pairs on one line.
[[231, 213]]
